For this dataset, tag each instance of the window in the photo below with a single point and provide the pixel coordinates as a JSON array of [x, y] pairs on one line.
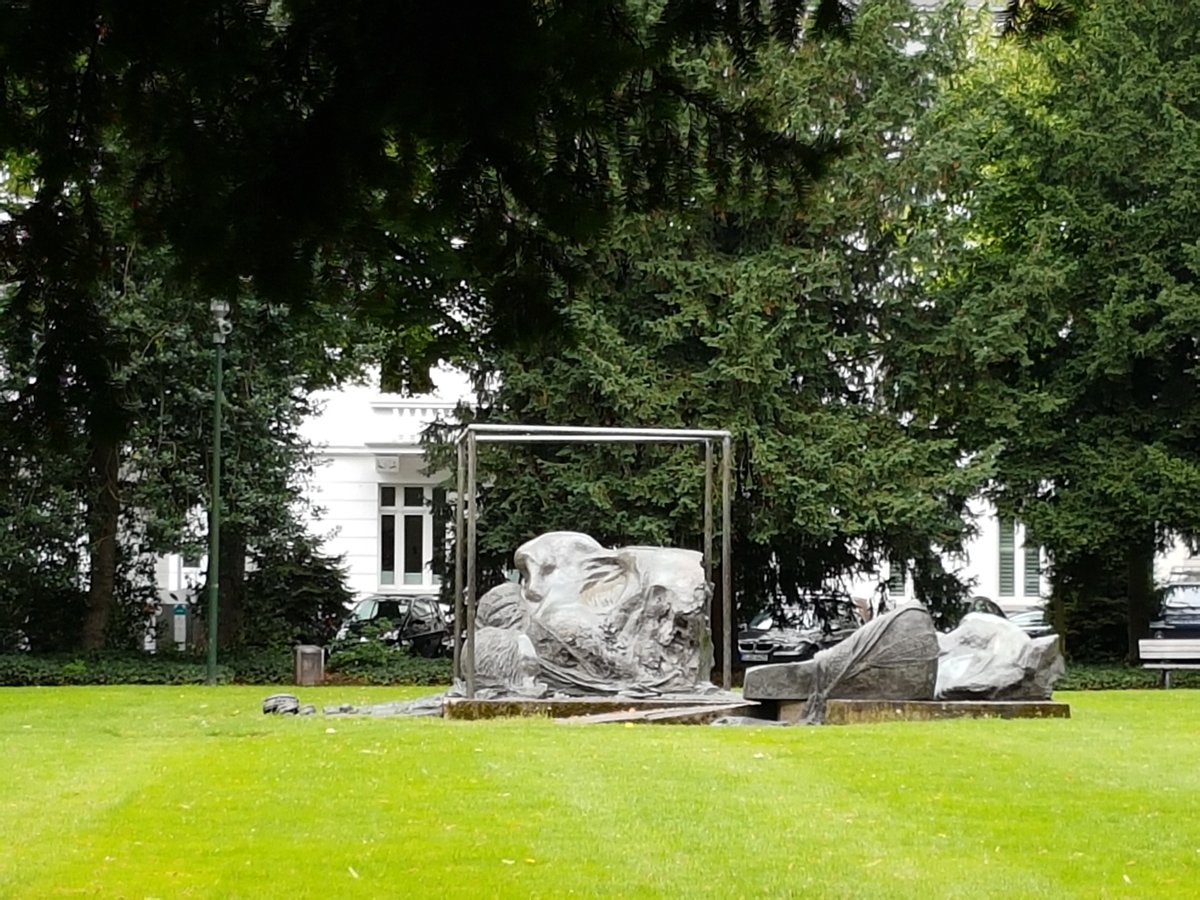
[[1008, 557], [895, 585], [406, 535]]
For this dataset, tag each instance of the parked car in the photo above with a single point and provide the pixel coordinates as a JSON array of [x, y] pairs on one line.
[[981, 604], [1032, 621], [794, 634], [416, 624], [1179, 614]]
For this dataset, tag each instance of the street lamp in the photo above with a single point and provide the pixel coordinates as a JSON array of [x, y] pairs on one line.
[[220, 313]]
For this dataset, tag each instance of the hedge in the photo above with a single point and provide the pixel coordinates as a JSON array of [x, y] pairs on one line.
[[265, 667], [370, 666]]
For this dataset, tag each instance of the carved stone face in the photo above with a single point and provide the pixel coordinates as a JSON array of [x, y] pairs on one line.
[[671, 578], [553, 565]]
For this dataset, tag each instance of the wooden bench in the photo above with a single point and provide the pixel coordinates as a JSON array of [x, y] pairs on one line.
[[1169, 654]]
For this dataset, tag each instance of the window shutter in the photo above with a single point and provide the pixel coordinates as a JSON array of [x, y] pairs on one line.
[[1033, 570], [1008, 560]]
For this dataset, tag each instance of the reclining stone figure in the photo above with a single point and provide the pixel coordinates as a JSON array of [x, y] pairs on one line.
[[987, 657], [892, 657]]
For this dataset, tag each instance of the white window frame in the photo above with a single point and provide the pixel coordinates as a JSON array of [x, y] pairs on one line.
[[400, 510]]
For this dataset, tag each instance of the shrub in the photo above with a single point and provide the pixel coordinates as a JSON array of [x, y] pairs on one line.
[[375, 662], [261, 666], [297, 595], [362, 664], [401, 669], [28, 670], [1117, 677]]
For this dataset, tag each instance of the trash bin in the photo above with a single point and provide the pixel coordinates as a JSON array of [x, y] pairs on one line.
[[310, 665]]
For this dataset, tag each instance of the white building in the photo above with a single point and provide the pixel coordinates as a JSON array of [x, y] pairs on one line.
[[372, 486]]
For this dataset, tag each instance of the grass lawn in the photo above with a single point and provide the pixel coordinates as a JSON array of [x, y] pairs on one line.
[[191, 792]]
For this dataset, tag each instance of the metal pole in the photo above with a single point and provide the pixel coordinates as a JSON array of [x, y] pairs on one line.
[[708, 518], [492, 438], [598, 430], [726, 564], [458, 565], [214, 530], [472, 513]]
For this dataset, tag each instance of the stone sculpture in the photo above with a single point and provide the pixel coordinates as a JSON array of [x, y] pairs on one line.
[[505, 659], [892, 657], [587, 620], [987, 657]]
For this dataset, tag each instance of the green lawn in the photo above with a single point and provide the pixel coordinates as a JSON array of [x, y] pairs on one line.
[[192, 792]]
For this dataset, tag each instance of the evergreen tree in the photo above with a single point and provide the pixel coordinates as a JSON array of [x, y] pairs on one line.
[[1062, 317], [769, 314]]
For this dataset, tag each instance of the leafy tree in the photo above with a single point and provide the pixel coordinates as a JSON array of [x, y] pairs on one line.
[[767, 313], [282, 140], [295, 595], [314, 151], [1063, 314], [144, 394]]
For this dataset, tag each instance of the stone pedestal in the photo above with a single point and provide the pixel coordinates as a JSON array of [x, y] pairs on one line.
[[861, 712]]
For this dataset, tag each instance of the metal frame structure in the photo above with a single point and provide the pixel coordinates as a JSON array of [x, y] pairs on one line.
[[220, 313], [468, 441]]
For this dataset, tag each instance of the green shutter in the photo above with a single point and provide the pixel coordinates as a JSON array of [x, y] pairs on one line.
[[1008, 557], [896, 581], [1033, 570]]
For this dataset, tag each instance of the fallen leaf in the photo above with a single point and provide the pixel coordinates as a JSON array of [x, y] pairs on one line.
[[509, 862], [353, 874]]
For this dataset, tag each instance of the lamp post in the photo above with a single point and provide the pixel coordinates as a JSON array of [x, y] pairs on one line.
[[220, 313]]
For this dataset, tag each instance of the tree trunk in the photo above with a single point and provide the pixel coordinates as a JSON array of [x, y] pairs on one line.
[[1139, 590], [232, 582], [104, 508]]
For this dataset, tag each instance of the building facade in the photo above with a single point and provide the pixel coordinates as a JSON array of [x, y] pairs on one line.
[[372, 489]]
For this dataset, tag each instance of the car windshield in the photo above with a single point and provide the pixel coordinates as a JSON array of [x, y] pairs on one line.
[[1183, 596], [364, 610], [393, 609], [379, 608], [804, 618], [1029, 616]]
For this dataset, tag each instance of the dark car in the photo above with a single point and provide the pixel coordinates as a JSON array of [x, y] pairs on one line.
[[793, 634], [1179, 614], [416, 624]]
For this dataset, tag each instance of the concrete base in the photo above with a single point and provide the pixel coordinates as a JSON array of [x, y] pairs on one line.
[[676, 715], [566, 707], [856, 712]]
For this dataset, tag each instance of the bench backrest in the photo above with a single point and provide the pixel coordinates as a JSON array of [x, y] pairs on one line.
[[1167, 648]]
